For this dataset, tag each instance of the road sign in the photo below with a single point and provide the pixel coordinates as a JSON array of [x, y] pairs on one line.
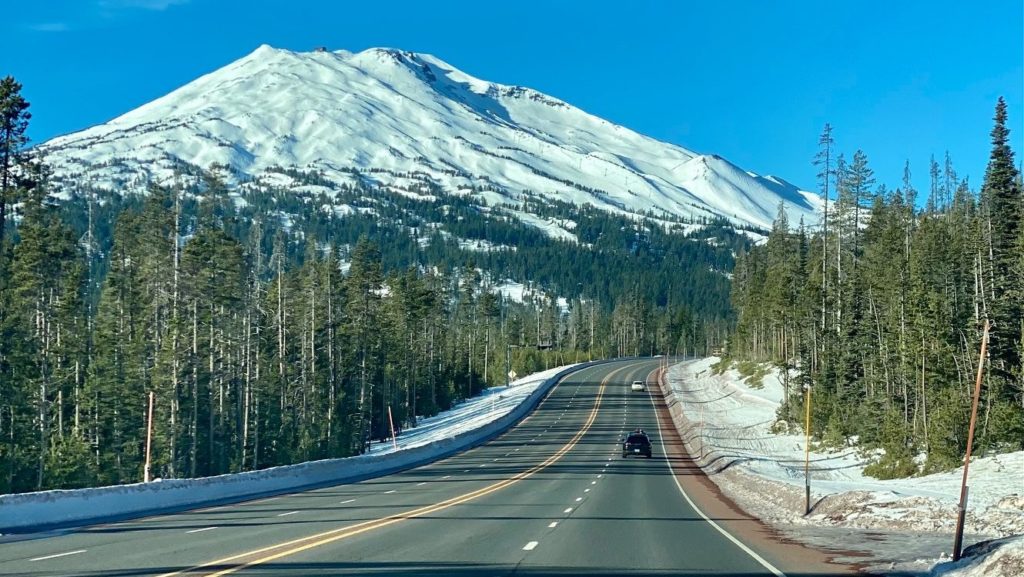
[[512, 375]]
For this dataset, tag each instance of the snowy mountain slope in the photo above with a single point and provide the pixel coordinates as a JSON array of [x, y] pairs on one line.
[[410, 121]]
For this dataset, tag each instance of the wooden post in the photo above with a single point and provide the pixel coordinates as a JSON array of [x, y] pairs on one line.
[[807, 454], [149, 439], [391, 423], [958, 539]]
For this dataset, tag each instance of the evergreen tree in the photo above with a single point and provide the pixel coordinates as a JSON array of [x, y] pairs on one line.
[[14, 117], [1003, 196], [43, 274]]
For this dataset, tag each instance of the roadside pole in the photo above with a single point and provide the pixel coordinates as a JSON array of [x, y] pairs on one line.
[[807, 453], [391, 423], [149, 440], [958, 539]]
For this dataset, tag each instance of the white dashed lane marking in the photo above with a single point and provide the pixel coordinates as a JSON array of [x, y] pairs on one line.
[[44, 558], [201, 530], [347, 501], [530, 546], [553, 524], [286, 514], [569, 510]]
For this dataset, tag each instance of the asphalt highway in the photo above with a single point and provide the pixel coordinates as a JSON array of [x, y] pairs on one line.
[[552, 496]]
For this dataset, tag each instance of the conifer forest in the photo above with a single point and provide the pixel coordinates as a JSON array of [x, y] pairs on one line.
[[271, 331], [881, 310]]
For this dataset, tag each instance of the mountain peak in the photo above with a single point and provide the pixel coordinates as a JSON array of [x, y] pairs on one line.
[[410, 120]]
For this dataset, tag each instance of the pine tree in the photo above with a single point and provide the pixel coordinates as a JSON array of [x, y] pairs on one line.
[[42, 274], [1003, 195], [14, 117], [362, 310]]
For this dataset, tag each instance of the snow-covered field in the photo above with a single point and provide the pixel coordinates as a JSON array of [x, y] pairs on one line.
[[730, 431]]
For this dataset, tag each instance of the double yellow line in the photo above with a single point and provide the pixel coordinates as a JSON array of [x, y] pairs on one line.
[[312, 541]]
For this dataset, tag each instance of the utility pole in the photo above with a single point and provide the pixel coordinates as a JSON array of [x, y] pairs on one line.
[[958, 539]]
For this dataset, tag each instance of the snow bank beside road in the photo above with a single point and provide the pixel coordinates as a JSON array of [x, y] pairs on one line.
[[992, 558], [466, 425], [469, 415], [727, 425]]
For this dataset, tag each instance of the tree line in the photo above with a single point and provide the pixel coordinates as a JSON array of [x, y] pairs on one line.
[[266, 344], [880, 309]]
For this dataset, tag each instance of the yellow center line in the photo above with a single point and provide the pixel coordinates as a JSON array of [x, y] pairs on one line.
[[312, 541]]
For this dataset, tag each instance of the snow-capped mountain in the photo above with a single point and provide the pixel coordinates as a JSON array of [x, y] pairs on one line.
[[411, 123]]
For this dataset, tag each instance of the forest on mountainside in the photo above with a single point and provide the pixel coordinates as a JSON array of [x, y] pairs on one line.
[[274, 327], [880, 311]]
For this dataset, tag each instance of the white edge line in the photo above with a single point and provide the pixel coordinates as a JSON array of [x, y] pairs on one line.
[[774, 570], [58, 555], [201, 530]]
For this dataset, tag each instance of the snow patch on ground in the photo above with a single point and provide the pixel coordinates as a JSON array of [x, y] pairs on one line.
[[554, 228], [730, 433], [999, 557], [490, 405]]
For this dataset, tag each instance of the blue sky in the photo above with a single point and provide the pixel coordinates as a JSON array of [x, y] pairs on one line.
[[752, 81]]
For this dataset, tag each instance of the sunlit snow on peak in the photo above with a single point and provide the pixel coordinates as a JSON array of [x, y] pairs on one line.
[[393, 113]]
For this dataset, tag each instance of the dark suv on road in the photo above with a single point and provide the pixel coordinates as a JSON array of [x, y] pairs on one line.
[[637, 443]]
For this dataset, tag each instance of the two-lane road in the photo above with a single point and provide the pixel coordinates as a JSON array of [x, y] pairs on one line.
[[552, 496]]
